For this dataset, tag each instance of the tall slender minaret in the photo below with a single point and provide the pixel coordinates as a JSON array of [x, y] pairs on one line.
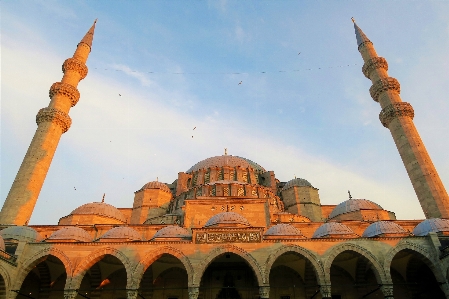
[[397, 116], [52, 122]]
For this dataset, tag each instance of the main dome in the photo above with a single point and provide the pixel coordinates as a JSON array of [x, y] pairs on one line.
[[225, 160], [99, 208]]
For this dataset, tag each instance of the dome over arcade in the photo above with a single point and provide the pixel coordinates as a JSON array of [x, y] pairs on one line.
[[383, 228], [297, 182], [436, 225], [227, 219], [122, 232], [155, 185], [283, 229], [225, 160], [21, 233], [330, 229], [172, 231], [352, 205], [71, 233], [101, 209]]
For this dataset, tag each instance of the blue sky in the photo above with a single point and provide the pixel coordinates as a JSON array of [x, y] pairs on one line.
[[177, 65]]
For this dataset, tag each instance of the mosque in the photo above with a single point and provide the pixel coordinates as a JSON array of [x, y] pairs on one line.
[[226, 227]]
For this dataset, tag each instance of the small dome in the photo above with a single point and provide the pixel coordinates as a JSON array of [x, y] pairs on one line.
[[2, 243], [225, 160], [437, 225], [283, 229], [155, 185], [383, 227], [332, 228], [20, 233], [227, 219], [101, 209], [172, 231], [297, 182], [71, 233], [122, 232], [352, 205]]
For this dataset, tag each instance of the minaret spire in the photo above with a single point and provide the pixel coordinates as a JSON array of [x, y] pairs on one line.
[[52, 122], [397, 116]]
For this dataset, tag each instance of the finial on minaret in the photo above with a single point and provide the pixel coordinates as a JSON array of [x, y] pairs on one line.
[[360, 36], [226, 151], [104, 194], [353, 20], [350, 196], [157, 179]]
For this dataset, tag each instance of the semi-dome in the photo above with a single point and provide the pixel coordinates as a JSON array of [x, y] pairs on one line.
[[71, 233], [225, 160], [436, 225], [330, 229], [352, 205], [227, 219], [172, 231], [122, 232], [155, 185], [297, 182], [101, 209], [2, 244], [283, 229], [383, 228], [20, 233]]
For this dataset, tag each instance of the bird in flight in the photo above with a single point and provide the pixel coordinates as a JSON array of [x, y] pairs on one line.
[[194, 128], [240, 82], [299, 53], [74, 188], [119, 95]]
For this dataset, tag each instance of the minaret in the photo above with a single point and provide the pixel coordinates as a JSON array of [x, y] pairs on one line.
[[52, 122], [397, 116]]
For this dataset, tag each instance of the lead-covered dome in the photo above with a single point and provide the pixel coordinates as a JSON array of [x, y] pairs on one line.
[[297, 182], [101, 209], [155, 185], [71, 233], [123, 233], [225, 160], [333, 229], [352, 205], [20, 233], [384, 228], [172, 232], [283, 229], [436, 225], [227, 219]]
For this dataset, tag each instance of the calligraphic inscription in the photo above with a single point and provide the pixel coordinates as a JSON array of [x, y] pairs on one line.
[[228, 237]]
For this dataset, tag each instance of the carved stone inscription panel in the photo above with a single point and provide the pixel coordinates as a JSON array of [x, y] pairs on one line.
[[228, 237]]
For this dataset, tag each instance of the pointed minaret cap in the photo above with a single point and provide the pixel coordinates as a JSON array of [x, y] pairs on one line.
[[361, 37], [88, 38]]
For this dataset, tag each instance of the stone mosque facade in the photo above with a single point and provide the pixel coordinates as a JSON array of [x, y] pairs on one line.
[[226, 227]]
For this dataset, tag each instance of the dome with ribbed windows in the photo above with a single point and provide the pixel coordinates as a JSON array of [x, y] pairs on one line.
[[384, 228], [227, 219], [122, 233], [71, 233], [100, 209], [352, 205], [435, 225], [298, 182], [333, 229], [155, 185], [21, 233], [283, 229], [172, 232], [225, 160]]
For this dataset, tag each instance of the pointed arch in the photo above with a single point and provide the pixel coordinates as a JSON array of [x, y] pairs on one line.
[[38, 257], [6, 279], [151, 257], [311, 257], [231, 249], [379, 272], [93, 258], [429, 259]]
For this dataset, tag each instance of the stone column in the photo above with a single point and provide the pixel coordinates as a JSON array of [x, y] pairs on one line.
[[326, 291], [194, 292], [264, 292], [387, 290]]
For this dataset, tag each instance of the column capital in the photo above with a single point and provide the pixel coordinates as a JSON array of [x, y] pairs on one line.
[[70, 294], [264, 292], [325, 291], [131, 294], [387, 290], [193, 292]]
